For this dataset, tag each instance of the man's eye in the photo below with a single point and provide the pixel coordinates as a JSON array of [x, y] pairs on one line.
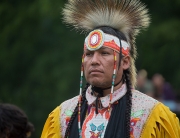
[[88, 54], [105, 53]]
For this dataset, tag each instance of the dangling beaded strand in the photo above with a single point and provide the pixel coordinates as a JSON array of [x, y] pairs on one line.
[[80, 97], [79, 113], [113, 80]]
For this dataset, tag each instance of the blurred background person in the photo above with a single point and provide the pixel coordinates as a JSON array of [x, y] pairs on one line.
[[163, 89], [14, 122], [144, 84], [164, 92]]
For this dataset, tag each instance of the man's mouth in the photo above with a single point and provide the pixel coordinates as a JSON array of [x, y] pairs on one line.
[[95, 71]]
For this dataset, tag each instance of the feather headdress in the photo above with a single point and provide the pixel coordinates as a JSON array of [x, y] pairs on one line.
[[127, 16]]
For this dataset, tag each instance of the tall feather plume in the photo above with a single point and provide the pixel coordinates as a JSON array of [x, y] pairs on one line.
[[127, 16]]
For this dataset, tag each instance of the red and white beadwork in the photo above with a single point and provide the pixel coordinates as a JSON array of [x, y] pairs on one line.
[[97, 38]]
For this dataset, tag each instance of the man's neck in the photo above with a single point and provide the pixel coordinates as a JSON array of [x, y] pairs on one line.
[[108, 91]]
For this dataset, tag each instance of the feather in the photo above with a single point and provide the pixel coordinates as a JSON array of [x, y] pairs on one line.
[[128, 16]]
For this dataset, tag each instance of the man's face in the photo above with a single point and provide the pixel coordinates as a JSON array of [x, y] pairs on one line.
[[98, 67]]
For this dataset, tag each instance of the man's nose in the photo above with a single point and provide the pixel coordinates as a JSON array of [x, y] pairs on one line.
[[95, 58]]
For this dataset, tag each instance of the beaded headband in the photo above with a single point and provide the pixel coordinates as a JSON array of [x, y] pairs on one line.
[[97, 38]]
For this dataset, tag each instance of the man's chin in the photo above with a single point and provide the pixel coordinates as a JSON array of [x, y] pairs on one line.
[[98, 84], [95, 83]]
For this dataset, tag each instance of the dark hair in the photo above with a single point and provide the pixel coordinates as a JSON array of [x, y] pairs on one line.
[[129, 100], [126, 73], [112, 31], [14, 122]]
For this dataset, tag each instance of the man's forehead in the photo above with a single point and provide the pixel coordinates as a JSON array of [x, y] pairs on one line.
[[102, 48]]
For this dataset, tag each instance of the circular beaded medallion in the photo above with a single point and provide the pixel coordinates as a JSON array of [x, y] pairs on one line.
[[95, 40]]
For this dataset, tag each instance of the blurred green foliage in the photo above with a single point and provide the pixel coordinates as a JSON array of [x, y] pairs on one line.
[[40, 57]]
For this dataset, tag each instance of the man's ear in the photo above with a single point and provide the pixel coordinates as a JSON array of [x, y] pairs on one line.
[[126, 62]]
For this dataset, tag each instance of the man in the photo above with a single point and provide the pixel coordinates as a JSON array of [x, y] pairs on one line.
[[109, 106]]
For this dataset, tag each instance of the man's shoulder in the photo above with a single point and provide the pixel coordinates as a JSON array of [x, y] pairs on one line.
[[142, 96], [69, 105], [73, 100], [141, 100]]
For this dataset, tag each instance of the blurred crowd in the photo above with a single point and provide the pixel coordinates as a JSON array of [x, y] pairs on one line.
[[158, 88]]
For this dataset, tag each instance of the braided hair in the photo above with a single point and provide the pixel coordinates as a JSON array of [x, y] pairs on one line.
[[76, 111], [129, 100]]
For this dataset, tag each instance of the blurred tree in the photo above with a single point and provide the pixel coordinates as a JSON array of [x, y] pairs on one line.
[[36, 57], [158, 47], [40, 57]]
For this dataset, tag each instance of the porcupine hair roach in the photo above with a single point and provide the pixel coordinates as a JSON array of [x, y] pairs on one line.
[[127, 16]]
